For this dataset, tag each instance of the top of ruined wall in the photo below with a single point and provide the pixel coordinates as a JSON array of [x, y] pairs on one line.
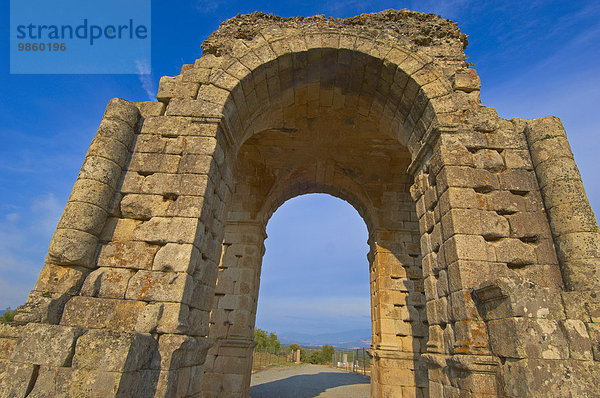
[[412, 29]]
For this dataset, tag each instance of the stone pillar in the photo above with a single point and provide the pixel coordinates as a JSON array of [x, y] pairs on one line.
[[572, 221], [399, 328], [229, 362], [478, 206]]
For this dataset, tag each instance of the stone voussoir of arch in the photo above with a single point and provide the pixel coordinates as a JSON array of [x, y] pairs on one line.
[[484, 251]]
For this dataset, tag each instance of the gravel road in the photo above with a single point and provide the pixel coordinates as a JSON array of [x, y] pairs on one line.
[[306, 381]]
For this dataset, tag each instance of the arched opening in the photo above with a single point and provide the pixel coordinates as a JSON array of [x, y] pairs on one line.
[[315, 272], [329, 129]]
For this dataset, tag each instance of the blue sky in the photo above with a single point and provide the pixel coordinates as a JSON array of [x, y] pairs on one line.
[[535, 58]]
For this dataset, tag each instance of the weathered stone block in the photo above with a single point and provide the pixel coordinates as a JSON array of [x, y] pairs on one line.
[[544, 128], [177, 258], [518, 159], [462, 307], [539, 372], [107, 282], [92, 191], [528, 338], [16, 379], [550, 150], [466, 247], [177, 351], [578, 246], [528, 224], [150, 108], [518, 180], [572, 217], [95, 383], [100, 169], [471, 338], [463, 274], [43, 344], [7, 345], [456, 198], [170, 87], [196, 75], [510, 296], [144, 163], [160, 286], [558, 192], [118, 229], [113, 351], [72, 247], [191, 107], [173, 126], [42, 307], [484, 181], [466, 80], [455, 176], [488, 159], [580, 345], [514, 252], [199, 322], [121, 109], [61, 279], [173, 318], [557, 169], [594, 333], [83, 217], [196, 164], [101, 313], [174, 229], [10, 330], [109, 148], [144, 207], [135, 255], [116, 129], [52, 382]]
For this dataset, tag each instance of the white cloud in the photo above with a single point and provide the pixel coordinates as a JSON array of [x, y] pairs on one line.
[[207, 7], [313, 313], [47, 209], [145, 76], [24, 240], [13, 217]]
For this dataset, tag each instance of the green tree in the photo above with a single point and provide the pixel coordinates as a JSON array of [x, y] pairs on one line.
[[260, 336], [273, 342], [315, 357], [327, 353], [8, 316], [266, 340], [322, 356]]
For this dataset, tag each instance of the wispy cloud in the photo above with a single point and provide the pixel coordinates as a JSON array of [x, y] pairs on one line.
[[313, 313], [208, 6], [145, 76], [47, 209], [25, 233]]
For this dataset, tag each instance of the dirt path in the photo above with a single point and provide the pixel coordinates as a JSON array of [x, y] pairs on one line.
[[307, 381]]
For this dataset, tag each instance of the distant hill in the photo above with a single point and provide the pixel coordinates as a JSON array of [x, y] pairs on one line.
[[345, 339]]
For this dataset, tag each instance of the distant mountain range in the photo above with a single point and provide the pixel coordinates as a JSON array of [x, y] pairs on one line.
[[346, 339]]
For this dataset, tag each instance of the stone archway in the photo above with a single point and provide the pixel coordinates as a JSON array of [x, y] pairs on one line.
[[484, 249], [341, 154]]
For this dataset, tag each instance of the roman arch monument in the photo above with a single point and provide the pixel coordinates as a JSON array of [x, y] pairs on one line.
[[484, 251]]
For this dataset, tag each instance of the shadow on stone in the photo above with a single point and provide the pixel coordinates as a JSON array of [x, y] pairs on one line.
[[305, 386]]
